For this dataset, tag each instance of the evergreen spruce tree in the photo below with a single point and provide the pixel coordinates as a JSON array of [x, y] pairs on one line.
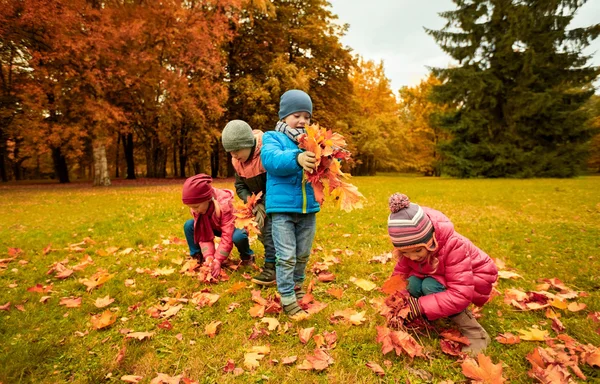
[[520, 86]]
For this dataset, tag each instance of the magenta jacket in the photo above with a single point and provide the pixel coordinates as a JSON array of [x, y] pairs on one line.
[[465, 270]]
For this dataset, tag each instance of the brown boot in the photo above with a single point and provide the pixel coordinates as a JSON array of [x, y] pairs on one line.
[[472, 330]]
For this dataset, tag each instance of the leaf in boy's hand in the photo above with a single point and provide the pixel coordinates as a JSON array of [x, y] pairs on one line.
[[394, 283], [483, 370]]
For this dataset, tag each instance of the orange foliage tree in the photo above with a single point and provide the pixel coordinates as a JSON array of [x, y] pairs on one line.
[[417, 113]]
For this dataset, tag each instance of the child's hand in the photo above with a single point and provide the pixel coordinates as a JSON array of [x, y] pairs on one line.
[[415, 309], [216, 269], [307, 161]]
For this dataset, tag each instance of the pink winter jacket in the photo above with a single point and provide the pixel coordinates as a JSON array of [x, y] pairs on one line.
[[465, 270], [223, 221]]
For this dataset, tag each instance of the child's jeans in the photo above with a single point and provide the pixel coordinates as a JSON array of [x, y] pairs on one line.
[[293, 234], [240, 240], [423, 287], [266, 238]]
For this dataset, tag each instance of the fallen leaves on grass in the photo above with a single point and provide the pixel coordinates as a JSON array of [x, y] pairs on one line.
[[103, 320], [139, 335], [483, 370], [102, 302], [383, 258], [131, 378], [318, 361], [349, 315], [70, 302], [508, 338], [212, 328], [364, 284], [533, 334], [376, 368], [96, 280], [305, 334], [398, 341]]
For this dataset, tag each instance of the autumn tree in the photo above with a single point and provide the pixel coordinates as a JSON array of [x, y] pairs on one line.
[[418, 114], [375, 130], [593, 109], [279, 45], [519, 86]]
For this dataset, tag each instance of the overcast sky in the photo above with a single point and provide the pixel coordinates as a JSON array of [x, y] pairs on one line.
[[392, 31]]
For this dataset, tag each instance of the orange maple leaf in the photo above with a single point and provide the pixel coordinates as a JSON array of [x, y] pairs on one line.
[[103, 320], [394, 283], [485, 372]]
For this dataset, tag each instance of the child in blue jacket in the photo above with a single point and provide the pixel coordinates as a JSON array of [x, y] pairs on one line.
[[290, 199]]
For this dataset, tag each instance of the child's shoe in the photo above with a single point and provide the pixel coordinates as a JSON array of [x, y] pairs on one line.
[[299, 292], [249, 261], [472, 330], [294, 311], [267, 276]]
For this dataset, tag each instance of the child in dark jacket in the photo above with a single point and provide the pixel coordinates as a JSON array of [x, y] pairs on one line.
[[245, 145], [445, 271], [212, 212], [290, 199]]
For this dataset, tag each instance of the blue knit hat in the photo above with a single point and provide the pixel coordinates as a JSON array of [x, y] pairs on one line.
[[292, 101]]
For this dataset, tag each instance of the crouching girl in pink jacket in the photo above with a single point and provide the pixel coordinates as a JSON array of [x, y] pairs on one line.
[[212, 212], [445, 271]]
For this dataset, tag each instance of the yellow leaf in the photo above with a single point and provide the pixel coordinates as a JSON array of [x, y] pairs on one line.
[[103, 320], [251, 360], [212, 328], [560, 304], [139, 335], [364, 284], [533, 334], [576, 307], [273, 323]]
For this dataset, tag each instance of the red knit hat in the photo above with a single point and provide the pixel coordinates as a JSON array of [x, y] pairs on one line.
[[408, 225], [197, 189]]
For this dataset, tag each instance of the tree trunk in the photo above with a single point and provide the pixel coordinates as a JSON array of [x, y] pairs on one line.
[[117, 157], [3, 176], [128, 150], [156, 159], [60, 166], [182, 161], [175, 159], [214, 160], [101, 177]]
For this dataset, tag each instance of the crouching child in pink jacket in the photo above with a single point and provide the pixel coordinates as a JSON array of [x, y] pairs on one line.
[[212, 212], [445, 271]]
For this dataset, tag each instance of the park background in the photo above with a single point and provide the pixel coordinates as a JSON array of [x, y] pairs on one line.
[[134, 94]]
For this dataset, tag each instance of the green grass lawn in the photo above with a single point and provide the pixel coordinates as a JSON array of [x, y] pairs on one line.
[[540, 228]]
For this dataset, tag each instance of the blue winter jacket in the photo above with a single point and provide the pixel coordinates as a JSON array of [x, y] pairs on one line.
[[286, 190]]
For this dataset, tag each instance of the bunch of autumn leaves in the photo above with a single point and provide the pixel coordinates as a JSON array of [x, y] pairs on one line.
[[326, 179]]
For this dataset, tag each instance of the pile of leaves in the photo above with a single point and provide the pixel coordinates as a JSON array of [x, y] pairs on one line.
[[328, 148]]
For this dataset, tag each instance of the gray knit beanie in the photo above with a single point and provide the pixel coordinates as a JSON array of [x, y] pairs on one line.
[[292, 101], [236, 135]]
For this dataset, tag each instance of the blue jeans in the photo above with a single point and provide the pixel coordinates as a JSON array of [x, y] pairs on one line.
[[423, 287], [240, 240], [266, 237], [293, 234]]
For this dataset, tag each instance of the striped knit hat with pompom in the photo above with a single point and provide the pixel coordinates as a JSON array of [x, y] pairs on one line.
[[408, 225]]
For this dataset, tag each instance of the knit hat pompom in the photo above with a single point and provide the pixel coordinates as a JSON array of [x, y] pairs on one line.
[[398, 201]]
